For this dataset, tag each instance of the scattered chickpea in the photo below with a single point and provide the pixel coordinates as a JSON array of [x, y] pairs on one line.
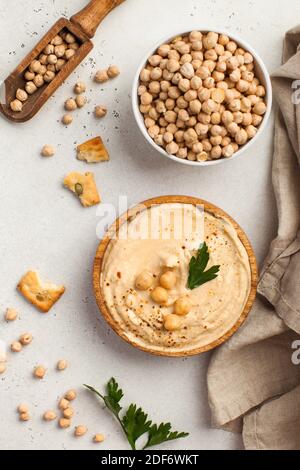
[[2, 367], [49, 415], [172, 322], [67, 119], [62, 364], [79, 88], [98, 438], [100, 111], [63, 404], [25, 339], [159, 295], [22, 408], [16, 346], [47, 151], [39, 372], [80, 100], [64, 423], [68, 412], [113, 71], [80, 430], [71, 395], [11, 314], [168, 280], [70, 104], [24, 417], [102, 76]]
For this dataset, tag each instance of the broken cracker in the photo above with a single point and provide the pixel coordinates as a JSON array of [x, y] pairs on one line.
[[84, 186], [42, 295], [92, 151]]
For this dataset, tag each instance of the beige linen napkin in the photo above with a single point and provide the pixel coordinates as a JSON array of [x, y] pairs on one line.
[[252, 383]]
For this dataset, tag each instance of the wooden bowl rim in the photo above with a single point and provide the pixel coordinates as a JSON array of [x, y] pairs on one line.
[[131, 213]]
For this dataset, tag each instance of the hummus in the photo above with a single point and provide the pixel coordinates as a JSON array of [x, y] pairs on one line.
[[216, 305]]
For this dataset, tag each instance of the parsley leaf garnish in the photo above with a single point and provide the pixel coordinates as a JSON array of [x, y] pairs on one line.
[[135, 422], [197, 274]]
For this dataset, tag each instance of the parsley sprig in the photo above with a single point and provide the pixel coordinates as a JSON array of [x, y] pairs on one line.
[[197, 274], [135, 422]]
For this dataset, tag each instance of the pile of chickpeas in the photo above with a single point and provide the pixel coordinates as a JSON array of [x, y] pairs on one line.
[[200, 98], [43, 69]]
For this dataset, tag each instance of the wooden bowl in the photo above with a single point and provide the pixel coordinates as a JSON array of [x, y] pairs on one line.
[[130, 215]]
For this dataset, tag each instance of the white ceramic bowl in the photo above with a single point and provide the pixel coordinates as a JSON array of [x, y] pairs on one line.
[[261, 73]]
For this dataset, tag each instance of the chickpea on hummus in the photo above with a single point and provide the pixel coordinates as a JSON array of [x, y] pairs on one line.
[[145, 272]]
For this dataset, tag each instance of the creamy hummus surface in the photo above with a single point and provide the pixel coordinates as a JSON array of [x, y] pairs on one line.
[[216, 305]]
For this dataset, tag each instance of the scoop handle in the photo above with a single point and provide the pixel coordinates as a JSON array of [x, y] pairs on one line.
[[89, 18]]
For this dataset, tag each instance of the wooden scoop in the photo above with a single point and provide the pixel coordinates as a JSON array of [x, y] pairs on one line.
[[83, 26]]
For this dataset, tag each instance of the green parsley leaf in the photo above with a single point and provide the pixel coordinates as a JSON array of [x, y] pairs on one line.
[[135, 421], [197, 274], [162, 433], [135, 424]]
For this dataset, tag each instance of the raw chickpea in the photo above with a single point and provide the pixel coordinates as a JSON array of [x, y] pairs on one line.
[[69, 38], [209, 106], [80, 88], [52, 68], [163, 50], [242, 86], [218, 95], [167, 75], [64, 423], [49, 49], [251, 131], [207, 146], [70, 395], [174, 92], [39, 372], [30, 88], [149, 122], [16, 106], [252, 89], [154, 87], [216, 140], [231, 46], [63, 404], [49, 76], [29, 76], [232, 63], [172, 322], [241, 137], [182, 153], [160, 107], [144, 75], [49, 415], [190, 136], [221, 67], [191, 156], [11, 314], [253, 99], [68, 412], [22, 408], [67, 119], [168, 137], [184, 85], [210, 40], [170, 116], [196, 64], [16, 346], [235, 75], [62, 364], [233, 128], [173, 65], [215, 118], [186, 58], [146, 98], [21, 95], [59, 51], [163, 96], [190, 95], [156, 73], [172, 148], [35, 66], [197, 147], [211, 55], [235, 105], [182, 306], [153, 131], [204, 118], [248, 58], [203, 94], [165, 86], [98, 438], [209, 82], [192, 121], [168, 280], [179, 136], [159, 140], [247, 119], [187, 70], [210, 65], [195, 83], [260, 108], [235, 146], [38, 80], [43, 70], [57, 40], [223, 40], [261, 91], [101, 76], [218, 76], [80, 430], [228, 151], [225, 141], [80, 100], [170, 104], [195, 106], [24, 417], [159, 295], [220, 49], [256, 120], [70, 104], [201, 129], [172, 54], [238, 117], [52, 59], [216, 152], [202, 157], [25, 339]]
